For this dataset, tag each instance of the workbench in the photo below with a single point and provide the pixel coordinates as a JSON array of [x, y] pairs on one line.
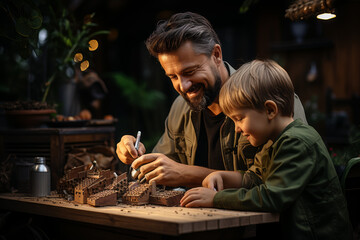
[[122, 221]]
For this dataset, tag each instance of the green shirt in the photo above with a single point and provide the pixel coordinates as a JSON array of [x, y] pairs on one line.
[[298, 181]]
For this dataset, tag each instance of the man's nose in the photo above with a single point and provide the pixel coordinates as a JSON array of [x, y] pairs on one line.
[[185, 84]]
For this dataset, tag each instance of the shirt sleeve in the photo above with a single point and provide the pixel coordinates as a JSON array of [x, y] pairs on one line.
[[286, 169]]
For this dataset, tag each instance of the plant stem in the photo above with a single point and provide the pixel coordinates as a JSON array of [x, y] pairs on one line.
[[48, 84]]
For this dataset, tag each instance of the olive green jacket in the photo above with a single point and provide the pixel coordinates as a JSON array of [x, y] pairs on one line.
[[182, 127], [299, 182]]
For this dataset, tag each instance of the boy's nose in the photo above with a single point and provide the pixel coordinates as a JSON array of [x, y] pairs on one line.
[[237, 128]]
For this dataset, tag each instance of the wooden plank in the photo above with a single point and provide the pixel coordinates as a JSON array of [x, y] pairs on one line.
[[119, 218]]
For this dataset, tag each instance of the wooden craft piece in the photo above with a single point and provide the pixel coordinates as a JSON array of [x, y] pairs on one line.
[[138, 195], [167, 198], [97, 186], [103, 198], [77, 172], [120, 184], [81, 190]]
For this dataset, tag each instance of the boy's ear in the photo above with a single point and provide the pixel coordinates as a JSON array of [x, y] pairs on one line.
[[271, 109]]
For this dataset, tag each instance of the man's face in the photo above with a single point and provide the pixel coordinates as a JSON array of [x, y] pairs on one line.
[[194, 76]]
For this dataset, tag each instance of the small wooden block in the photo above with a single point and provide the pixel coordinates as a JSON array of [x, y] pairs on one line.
[[104, 198], [167, 198]]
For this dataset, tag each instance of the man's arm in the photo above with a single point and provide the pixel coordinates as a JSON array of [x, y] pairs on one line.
[[165, 171]]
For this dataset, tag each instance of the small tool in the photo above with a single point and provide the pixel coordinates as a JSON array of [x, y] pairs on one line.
[[137, 142], [136, 172]]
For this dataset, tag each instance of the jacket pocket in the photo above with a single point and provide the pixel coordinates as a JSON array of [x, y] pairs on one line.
[[183, 148]]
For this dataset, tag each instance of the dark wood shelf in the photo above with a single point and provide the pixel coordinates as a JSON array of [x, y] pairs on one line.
[[53, 144]]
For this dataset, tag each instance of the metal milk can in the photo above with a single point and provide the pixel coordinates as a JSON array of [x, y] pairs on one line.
[[40, 178]]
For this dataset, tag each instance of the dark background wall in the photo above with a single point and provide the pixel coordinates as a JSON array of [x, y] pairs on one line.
[[323, 63]]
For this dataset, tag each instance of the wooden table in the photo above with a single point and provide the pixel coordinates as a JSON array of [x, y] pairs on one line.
[[143, 222]]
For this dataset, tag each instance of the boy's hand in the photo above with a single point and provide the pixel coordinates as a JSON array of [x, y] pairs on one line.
[[198, 197], [214, 181]]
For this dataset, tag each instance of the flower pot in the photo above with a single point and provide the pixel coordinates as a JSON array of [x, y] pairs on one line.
[[28, 118]]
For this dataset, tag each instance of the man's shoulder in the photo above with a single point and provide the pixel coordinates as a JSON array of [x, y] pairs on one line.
[[179, 106], [179, 114]]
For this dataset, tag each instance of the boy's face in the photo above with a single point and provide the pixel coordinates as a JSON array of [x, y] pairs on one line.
[[253, 124]]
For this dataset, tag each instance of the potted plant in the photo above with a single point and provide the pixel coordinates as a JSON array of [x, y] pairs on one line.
[[50, 45]]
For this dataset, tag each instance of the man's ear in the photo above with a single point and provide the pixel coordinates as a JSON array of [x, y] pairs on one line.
[[271, 109], [217, 53]]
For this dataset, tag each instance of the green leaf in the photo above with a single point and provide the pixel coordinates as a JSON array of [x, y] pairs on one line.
[[36, 19], [36, 22], [98, 33], [22, 27]]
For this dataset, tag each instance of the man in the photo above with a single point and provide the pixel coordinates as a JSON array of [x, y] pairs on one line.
[[198, 138]]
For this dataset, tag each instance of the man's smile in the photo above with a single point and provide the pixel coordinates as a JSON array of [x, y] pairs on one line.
[[194, 90]]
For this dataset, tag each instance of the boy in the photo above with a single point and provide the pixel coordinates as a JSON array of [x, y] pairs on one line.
[[298, 178]]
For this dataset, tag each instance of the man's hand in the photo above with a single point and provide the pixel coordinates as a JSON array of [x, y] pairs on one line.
[[159, 168], [198, 197], [126, 151]]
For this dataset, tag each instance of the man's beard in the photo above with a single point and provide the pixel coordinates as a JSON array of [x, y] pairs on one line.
[[207, 98]]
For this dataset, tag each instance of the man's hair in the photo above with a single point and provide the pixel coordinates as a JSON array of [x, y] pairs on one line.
[[182, 27], [256, 82]]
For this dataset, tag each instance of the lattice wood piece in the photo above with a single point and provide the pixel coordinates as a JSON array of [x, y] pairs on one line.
[[103, 198], [120, 184], [167, 198], [81, 192], [137, 196]]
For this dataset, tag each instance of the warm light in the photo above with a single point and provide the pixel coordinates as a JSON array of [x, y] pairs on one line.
[[78, 57], [84, 65], [326, 16], [93, 45]]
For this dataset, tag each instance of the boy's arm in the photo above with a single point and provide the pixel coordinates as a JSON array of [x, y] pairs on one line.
[[286, 177]]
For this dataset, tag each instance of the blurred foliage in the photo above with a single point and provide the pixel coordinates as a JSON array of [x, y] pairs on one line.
[[137, 94], [313, 115], [21, 22], [66, 39], [245, 6], [342, 155]]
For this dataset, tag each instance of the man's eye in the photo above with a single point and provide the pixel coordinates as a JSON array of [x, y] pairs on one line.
[[189, 73], [173, 77]]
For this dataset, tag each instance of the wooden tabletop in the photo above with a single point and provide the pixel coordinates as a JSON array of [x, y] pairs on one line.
[[172, 221]]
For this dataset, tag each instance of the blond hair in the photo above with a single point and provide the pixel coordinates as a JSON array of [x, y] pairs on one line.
[[256, 82]]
